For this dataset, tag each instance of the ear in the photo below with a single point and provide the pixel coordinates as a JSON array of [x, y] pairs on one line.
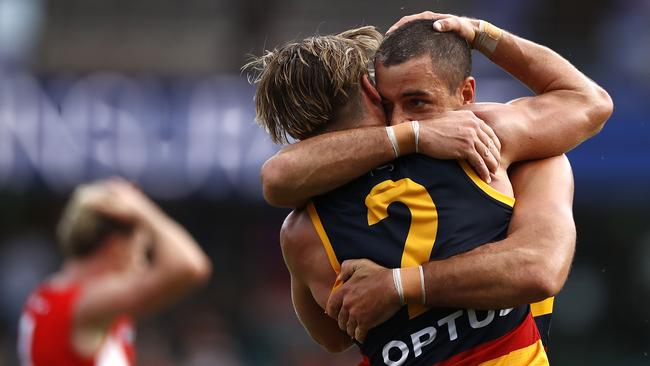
[[369, 89], [468, 90]]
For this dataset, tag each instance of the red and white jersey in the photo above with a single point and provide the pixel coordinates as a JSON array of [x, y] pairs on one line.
[[45, 333]]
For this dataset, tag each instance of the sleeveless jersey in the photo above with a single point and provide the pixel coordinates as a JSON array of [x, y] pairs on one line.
[[542, 312], [407, 213], [46, 328]]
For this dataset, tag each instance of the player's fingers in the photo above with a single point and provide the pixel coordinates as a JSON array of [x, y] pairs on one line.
[[343, 319], [476, 161], [447, 25], [347, 270], [489, 161], [490, 156], [409, 18], [455, 24], [351, 326], [489, 142], [334, 304], [496, 143], [360, 334], [402, 21], [105, 202]]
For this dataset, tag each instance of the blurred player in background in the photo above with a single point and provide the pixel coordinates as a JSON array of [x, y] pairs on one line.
[[123, 258]]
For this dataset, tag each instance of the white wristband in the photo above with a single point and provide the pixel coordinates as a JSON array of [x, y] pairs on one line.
[[416, 132], [424, 294], [393, 140], [397, 280]]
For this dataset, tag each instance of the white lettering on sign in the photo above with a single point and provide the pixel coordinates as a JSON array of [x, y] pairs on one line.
[[173, 139]]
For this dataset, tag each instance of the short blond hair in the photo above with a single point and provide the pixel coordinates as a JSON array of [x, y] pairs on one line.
[[301, 85], [81, 229]]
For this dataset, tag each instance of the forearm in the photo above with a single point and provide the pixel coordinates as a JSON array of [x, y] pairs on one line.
[[322, 163], [544, 71], [568, 109], [538, 67], [487, 278], [177, 256]]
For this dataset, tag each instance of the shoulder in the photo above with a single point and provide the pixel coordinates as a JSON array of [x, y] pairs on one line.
[[296, 235], [301, 247], [503, 118], [508, 122], [494, 114], [294, 228]]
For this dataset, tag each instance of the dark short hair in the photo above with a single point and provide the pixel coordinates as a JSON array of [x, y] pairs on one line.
[[449, 53]]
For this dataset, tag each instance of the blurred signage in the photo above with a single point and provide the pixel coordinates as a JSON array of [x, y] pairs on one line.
[[182, 137], [174, 137]]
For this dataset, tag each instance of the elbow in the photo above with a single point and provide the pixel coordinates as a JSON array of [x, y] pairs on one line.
[[543, 287], [275, 184], [546, 280], [203, 273], [600, 109], [269, 175], [199, 271]]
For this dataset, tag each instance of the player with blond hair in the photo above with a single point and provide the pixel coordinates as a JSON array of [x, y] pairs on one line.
[[427, 222], [124, 258]]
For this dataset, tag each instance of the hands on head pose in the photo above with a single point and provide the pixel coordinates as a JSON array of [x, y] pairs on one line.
[[123, 258]]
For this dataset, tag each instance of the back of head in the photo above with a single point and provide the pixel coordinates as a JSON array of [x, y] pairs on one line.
[[449, 53], [81, 229], [302, 85]]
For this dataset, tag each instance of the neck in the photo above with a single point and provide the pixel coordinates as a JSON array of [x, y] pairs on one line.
[[90, 266], [349, 116]]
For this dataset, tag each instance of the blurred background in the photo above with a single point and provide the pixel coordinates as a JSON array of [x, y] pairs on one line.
[[152, 90]]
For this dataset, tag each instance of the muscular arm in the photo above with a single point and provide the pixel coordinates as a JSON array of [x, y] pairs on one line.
[[568, 107], [311, 275], [532, 263], [321, 163]]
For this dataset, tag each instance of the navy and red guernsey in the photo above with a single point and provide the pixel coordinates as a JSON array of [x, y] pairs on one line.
[[412, 211]]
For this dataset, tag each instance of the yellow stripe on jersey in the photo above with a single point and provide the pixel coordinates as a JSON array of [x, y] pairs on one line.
[[543, 307], [318, 225], [501, 197], [533, 355]]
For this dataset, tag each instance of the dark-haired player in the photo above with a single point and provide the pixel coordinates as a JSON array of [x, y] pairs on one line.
[[82, 315], [417, 209]]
